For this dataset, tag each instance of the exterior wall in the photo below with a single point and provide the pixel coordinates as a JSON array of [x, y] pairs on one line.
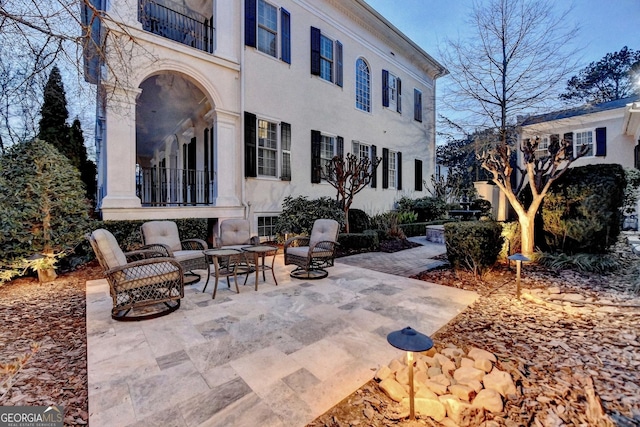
[[278, 91], [237, 79]]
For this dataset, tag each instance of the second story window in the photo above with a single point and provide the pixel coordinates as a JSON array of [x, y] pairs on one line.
[[363, 86], [326, 57], [261, 29], [417, 105], [267, 28], [391, 91], [391, 169]]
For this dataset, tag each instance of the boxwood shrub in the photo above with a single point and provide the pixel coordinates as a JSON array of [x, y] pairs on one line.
[[473, 245], [366, 240]]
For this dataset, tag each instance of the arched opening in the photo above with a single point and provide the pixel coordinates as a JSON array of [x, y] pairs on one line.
[[174, 142]]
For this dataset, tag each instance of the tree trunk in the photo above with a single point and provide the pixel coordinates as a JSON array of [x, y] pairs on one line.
[[527, 234]]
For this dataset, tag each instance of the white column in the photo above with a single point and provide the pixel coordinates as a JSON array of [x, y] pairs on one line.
[[228, 159], [120, 149]]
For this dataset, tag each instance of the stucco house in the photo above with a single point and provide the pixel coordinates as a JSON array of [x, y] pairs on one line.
[[610, 130], [221, 109]]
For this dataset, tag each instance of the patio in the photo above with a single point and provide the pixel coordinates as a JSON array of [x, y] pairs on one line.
[[280, 356]]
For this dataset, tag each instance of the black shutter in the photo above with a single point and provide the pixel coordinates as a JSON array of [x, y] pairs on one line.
[[315, 156], [285, 19], [418, 176], [385, 88], [417, 105], [315, 51], [339, 63], [399, 170], [340, 146], [399, 103], [250, 136], [568, 139], [601, 141], [385, 168], [374, 176], [250, 25]]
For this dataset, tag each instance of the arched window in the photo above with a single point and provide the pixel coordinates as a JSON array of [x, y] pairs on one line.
[[363, 86]]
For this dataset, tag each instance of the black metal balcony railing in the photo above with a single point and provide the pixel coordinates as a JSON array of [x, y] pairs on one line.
[[174, 187], [189, 28]]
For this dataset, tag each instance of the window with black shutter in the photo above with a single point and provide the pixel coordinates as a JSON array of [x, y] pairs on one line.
[[285, 20], [418, 175], [315, 157], [385, 168]]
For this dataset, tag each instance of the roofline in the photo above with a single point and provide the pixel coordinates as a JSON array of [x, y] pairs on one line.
[[580, 111], [442, 71]]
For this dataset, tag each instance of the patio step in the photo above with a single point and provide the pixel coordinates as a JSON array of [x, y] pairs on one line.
[[435, 233]]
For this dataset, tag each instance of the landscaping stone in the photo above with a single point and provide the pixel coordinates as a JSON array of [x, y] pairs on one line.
[[489, 400]]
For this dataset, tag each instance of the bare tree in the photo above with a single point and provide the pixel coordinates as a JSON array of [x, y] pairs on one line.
[[349, 176], [34, 36], [514, 63]]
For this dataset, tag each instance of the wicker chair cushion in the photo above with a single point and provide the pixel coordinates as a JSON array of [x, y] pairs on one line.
[[138, 276], [303, 251], [187, 255], [324, 229], [235, 232], [162, 232], [109, 248]]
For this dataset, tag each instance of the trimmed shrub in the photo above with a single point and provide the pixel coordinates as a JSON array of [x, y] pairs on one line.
[[581, 212], [473, 245], [128, 235], [482, 205], [358, 221], [298, 214], [366, 240], [419, 228], [427, 208], [43, 209]]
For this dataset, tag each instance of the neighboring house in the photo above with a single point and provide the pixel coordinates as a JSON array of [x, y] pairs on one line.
[[609, 130], [226, 107]]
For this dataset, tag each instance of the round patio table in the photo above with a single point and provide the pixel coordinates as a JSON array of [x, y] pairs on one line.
[[227, 262], [261, 252]]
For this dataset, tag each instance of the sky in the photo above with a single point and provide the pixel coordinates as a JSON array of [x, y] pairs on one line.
[[606, 26]]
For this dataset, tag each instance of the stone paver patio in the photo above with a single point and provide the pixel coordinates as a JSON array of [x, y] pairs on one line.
[[281, 356]]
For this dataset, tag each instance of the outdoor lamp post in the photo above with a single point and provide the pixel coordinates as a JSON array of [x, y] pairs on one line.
[[410, 340], [518, 258]]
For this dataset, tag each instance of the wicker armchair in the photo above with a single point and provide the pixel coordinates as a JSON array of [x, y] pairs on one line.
[[141, 281], [163, 236], [235, 234], [312, 254]]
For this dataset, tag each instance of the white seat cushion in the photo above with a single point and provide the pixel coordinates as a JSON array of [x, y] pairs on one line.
[[162, 232], [109, 248]]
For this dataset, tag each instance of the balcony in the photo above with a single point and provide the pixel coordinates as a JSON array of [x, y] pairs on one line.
[[178, 23], [174, 187]]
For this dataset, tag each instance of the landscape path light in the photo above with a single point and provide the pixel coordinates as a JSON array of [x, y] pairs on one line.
[[410, 340], [518, 258]]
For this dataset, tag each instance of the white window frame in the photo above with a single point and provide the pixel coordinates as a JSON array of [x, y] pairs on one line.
[[324, 40], [362, 149], [261, 228], [578, 134], [543, 147], [392, 87], [324, 138], [363, 89], [393, 169], [264, 28]]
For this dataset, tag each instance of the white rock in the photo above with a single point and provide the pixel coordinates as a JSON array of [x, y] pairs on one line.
[[383, 373], [465, 374], [395, 365], [475, 385], [467, 362], [433, 371], [420, 377], [402, 375], [394, 389], [463, 392], [554, 290], [451, 353], [483, 364], [424, 392], [427, 407], [489, 400], [499, 381], [457, 410], [437, 388], [421, 365], [477, 353]]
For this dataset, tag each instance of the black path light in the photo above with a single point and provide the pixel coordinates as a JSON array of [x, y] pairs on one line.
[[518, 258], [410, 340]]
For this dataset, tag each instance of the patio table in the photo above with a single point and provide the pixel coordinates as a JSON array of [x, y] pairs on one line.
[[226, 263], [260, 252]]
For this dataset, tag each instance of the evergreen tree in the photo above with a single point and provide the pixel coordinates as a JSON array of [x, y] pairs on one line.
[[54, 114], [87, 168]]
